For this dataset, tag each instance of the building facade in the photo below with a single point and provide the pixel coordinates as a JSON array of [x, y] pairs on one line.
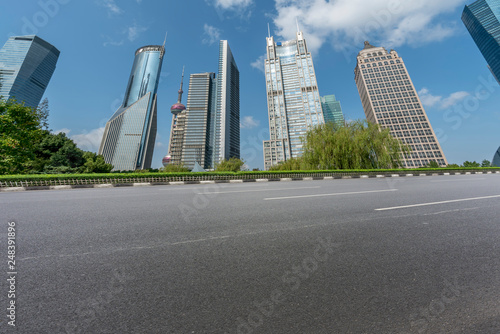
[[192, 137], [389, 99], [332, 110], [26, 66], [482, 19], [496, 159], [208, 131], [293, 99], [129, 137], [227, 118]]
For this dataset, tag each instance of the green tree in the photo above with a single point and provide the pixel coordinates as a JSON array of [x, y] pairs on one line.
[[19, 130], [473, 164], [291, 164], [486, 163], [453, 166], [231, 165], [95, 164], [432, 164], [56, 154], [174, 168], [355, 145]]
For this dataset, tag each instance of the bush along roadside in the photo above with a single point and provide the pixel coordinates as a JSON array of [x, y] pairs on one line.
[[36, 180]]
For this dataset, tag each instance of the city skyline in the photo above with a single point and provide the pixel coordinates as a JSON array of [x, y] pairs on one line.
[[457, 92], [26, 66], [207, 130], [193, 130]]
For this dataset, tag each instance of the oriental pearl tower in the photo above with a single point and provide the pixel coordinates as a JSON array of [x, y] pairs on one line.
[[176, 109]]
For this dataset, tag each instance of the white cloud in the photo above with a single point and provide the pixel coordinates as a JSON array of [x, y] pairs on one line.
[[454, 99], [347, 23], [134, 31], [89, 141], [232, 4], [429, 100], [248, 122], [212, 34], [259, 63], [111, 6]]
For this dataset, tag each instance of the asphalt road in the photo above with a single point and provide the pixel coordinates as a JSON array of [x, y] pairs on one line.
[[396, 255]]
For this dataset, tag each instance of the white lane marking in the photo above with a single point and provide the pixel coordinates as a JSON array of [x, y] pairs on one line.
[[437, 203], [254, 190], [448, 211], [325, 195], [456, 180]]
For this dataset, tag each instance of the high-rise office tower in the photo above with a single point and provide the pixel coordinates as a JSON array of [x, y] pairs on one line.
[[26, 66], [332, 110], [482, 19], [389, 99], [129, 137], [293, 99], [193, 129], [208, 131], [200, 129], [227, 118]]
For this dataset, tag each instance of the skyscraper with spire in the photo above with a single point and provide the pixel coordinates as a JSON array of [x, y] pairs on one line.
[[129, 137], [174, 155], [208, 130], [389, 98], [293, 99]]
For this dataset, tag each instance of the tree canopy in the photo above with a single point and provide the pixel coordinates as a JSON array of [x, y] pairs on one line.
[[19, 131], [355, 145], [231, 165], [27, 146]]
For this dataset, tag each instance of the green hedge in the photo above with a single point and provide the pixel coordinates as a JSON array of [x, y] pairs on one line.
[[74, 179]]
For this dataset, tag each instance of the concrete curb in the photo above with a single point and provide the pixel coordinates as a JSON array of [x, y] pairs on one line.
[[205, 182]]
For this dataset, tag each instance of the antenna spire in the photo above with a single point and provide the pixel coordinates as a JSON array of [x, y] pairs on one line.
[[177, 108], [297, 21], [269, 30], [165, 41], [180, 89]]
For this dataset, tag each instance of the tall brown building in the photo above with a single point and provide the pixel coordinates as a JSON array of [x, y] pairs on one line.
[[389, 98]]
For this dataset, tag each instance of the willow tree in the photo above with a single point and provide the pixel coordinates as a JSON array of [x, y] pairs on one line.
[[355, 145]]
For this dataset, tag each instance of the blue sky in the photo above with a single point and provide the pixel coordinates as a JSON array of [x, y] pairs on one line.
[[98, 38]]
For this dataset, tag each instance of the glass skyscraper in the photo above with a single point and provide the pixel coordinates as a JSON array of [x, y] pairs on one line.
[[332, 110], [26, 66], [293, 99], [192, 136], [129, 137], [208, 131], [482, 19], [227, 118], [389, 99]]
